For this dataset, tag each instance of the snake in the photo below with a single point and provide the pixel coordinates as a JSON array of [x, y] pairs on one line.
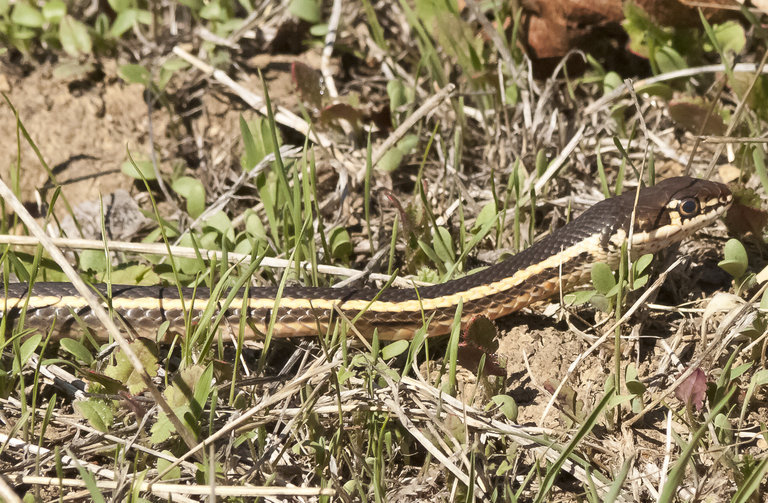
[[647, 220]]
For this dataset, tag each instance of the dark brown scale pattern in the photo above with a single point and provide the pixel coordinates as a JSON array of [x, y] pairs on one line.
[[604, 218]]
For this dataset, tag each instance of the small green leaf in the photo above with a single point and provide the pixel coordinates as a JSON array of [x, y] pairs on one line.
[[98, 412], [340, 243], [640, 282], [74, 36], [602, 278], [123, 22], [396, 93], [739, 370], [730, 36], [162, 463], [442, 243], [669, 60], [611, 81], [601, 302], [193, 191], [579, 298], [633, 384], [408, 143], [735, 262], [119, 5], [78, 350], [220, 222], [642, 263], [27, 349], [173, 64], [318, 30], [308, 10], [764, 301], [760, 378], [391, 160], [487, 215], [394, 349], [54, 11], [137, 169], [507, 405], [212, 12], [254, 226], [92, 260], [134, 74], [511, 94], [123, 371], [25, 15]]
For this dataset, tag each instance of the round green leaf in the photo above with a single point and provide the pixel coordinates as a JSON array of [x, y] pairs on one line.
[[318, 30], [390, 161], [193, 191], [93, 260], [119, 5], [507, 405], [138, 170], [611, 81], [220, 222], [642, 263], [735, 262], [487, 214], [308, 10], [602, 278], [730, 36], [578, 298], [341, 244]]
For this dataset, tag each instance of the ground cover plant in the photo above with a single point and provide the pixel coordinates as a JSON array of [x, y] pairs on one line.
[[218, 144]]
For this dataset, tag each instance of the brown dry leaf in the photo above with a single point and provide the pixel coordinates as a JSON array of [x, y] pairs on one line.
[[693, 389], [694, 115], [480, 338]]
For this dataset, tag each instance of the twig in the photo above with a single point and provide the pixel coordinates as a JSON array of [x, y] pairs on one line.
[[7, 494], [330, 40], [664, 77]]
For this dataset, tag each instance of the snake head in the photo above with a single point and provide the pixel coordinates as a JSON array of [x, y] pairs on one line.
[[674, 209]]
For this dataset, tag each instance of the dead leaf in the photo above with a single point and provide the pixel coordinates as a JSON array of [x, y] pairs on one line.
[[693, 389]]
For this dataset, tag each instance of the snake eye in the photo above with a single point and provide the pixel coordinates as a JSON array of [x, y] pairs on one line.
[[689, 207]]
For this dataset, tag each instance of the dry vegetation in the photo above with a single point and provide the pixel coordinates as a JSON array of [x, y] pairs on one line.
[[416, 138]]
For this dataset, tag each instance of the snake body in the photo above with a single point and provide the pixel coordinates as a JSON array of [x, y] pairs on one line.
[[664, 214]]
